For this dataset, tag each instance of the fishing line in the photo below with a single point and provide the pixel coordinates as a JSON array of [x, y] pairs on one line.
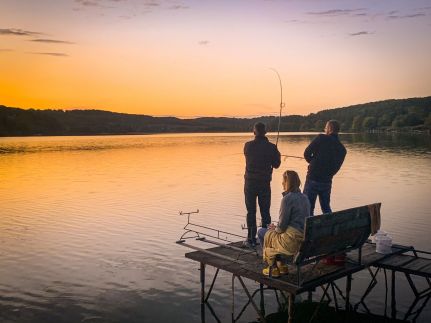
[[282, 105]]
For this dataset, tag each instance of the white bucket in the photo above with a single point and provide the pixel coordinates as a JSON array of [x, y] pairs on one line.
[[383, 243], [379, 233]]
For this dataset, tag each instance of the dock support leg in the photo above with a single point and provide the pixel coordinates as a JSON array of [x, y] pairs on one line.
[[212, 285], [419, 295], [334, 294], [370, 287], [232, 312], [291, 307], [310, 296], [262, 299], [261, 316], [202, 274], [393, 299], [386, 293], [202, 279], [348, 289]]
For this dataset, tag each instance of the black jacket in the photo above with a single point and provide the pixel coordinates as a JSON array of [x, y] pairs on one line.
[[261, 156], [325, 156]]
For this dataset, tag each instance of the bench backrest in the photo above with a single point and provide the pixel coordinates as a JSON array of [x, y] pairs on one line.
[[335, 232]]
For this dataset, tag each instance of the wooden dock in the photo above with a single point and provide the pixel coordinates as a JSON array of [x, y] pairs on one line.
[[249, 265]]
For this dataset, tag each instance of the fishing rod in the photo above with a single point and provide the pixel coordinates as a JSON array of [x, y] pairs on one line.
[[291, 156], [196, 230], [282, 104], [222, 238]]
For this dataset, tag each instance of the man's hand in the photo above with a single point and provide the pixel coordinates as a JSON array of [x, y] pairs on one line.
[[271, 226]]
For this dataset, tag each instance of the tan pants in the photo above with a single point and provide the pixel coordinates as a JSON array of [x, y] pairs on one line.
[[286, 243]]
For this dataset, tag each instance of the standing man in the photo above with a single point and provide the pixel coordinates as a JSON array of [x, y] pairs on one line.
[[261, 156], [325, 156]]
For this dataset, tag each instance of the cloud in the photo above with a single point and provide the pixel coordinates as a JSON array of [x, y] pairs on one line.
[[414, 15], [337, 12], [179, 7], [6, 50], [293, 21], [128, 9], [50, 54], [19, 32], [88, 3], [51, 41], [151, 4], [203, 42], [361, 33]]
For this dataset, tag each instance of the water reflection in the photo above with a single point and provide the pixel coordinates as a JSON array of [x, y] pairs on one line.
[[88, 224]]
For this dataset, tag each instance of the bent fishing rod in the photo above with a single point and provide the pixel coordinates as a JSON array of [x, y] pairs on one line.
[[282, 105]]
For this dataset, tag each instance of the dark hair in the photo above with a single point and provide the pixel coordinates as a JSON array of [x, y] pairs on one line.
[[259, 129], [335, 126], [293, 178]]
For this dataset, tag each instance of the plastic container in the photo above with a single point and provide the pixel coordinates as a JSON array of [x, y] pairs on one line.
[[383, 242], [379, 233]]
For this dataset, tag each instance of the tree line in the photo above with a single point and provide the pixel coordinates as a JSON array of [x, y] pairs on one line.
[[413, 113]]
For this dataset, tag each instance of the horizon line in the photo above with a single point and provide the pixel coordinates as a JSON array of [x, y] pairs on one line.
[[276, 114]]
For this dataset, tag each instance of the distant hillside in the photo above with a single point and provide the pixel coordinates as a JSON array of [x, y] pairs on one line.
[[414, 113]]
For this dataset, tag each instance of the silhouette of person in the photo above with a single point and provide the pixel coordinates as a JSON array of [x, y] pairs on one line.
[[325, 155], [261, 157]]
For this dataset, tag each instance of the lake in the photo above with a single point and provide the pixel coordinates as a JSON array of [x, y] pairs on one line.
[[88, 224]]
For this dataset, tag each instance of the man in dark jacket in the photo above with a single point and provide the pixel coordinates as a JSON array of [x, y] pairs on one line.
[[325, 156], [261, 157]]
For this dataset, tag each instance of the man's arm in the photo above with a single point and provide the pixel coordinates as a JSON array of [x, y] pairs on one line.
[[276, 161], [311, 149], [340, 161]]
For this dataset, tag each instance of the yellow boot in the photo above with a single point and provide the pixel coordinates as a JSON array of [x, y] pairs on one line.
[[275, 272]]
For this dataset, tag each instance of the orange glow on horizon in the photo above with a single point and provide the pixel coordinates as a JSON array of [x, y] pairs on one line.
[[191, 63]]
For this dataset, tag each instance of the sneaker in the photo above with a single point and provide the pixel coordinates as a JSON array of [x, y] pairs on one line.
[[250, 244], [275, 273]]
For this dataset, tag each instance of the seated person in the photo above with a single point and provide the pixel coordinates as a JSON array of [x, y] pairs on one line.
[[286, 237]]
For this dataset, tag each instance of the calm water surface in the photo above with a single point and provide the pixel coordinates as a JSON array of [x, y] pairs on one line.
[[88, 224]]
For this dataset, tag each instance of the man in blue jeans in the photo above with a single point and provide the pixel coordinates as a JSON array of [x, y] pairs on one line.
[[261, 156], [325, 155]]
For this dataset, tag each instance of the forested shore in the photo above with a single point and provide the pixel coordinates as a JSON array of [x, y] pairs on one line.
[[413, 114]]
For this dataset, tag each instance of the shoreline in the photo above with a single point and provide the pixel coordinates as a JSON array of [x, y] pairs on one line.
[[426, 132]]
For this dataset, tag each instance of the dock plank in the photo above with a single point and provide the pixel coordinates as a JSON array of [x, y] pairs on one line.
[[409, 264], [312, 275]]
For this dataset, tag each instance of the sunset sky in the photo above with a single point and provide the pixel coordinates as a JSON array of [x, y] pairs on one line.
[[212, 58]]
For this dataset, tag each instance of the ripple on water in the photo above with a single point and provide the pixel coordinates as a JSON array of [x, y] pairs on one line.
[[88, 224]]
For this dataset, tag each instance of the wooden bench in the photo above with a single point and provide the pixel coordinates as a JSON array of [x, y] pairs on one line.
[[333, 234]]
